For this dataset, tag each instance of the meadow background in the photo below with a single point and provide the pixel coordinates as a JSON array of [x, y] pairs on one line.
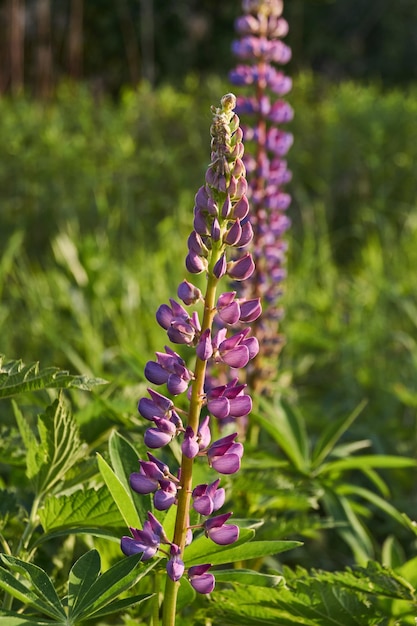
[[97, 179]]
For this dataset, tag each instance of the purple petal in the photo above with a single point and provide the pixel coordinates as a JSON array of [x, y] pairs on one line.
[[175, 568], [204, 347], [176, 385], [237, 357], [154, 438], [163, 500], [155, 373], [240, 406], [224, 535], [250, 310], [164, 316], [194, 263], [226, 464], [188, 293], [189, 446], [233, 234], [220, 267], [203, 505], [230, 314], [219, 407], [241, 269], [202, 584], [142, 484]]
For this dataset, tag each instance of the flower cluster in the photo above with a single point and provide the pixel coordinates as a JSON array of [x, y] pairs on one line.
[[260, 50], [221, 230]]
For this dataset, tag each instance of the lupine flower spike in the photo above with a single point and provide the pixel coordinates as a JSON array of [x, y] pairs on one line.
[[261, 52], [221, 229]]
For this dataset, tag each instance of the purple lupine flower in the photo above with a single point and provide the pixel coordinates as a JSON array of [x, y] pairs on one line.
[[208, 498], [175, 566], [259, 49], [221, 227], [200, 580], [229, 400], [218, 531], [224, 455], [147, 540]]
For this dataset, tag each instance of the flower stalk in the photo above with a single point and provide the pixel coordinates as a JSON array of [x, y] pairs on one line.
[[221, 230]]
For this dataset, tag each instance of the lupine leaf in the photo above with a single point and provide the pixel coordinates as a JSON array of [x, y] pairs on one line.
[[203, 550], [7, 618], [331, 435], [348, 525], [248, 577], [82, 576], [40, 581], [287, 428], [124, 459], [116, 580], [119, 493], [86, 507], [375, 499], [16, 377], [58, 448], [121, 605], [385, 461]]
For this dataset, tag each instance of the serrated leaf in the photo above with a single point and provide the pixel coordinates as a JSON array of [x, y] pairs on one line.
[[58, 448], [92, 507], [124, 459], [40, 582], [16, 377], [119, 493]]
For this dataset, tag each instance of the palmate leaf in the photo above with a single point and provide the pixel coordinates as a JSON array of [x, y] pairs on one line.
[[16, 377], [7, 618], [58, 447], [91, 596], [35, 589]]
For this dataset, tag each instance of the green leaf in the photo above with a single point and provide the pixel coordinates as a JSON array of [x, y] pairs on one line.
[[8, 618], [85, 507], [248, 577], [121, 496], [331, 435], [58, 448], [111, 584], [124, 459], [83, 574], [287, 428], [372, 497], [16, 377], [204, 550], [371, 460], [40, 582], [121, 605], [348, 525]]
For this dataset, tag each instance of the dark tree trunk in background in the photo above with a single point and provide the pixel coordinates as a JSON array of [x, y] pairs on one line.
[[129, 40], [75, 39], [44, 49], [16, 15], [147, 37]]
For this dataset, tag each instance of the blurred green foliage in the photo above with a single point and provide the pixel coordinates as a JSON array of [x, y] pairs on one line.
[[97, 199]]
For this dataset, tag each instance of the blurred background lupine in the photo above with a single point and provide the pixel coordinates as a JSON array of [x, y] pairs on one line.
[[260, 53], [221, 227]]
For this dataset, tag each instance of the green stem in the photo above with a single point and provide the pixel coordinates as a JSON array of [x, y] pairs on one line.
[[24, 542], [184, 494]]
